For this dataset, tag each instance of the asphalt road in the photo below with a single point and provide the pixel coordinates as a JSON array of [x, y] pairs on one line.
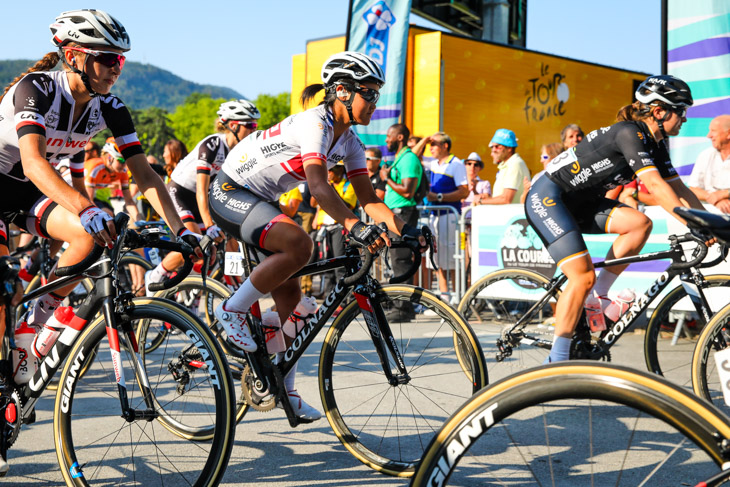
[[267, 451]]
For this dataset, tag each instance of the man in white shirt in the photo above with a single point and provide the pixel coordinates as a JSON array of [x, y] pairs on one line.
[[710, 178]]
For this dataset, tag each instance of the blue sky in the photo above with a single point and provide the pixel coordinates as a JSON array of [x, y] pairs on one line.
[[247, 45]]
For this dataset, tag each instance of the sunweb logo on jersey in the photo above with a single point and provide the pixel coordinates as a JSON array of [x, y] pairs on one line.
[[380, 19]]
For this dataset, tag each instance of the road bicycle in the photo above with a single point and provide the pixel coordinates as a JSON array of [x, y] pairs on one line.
[[509, 309], [385, 385], [109, 429], [580, 423]]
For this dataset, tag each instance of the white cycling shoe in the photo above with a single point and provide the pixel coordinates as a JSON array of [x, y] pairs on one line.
[[234, 323], [301, 409]]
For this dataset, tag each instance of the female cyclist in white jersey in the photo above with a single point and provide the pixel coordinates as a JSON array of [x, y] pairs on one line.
[[189, 182], [47, 116], [268, 163]]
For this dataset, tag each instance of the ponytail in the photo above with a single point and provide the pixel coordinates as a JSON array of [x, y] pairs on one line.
[[633, 113], [48, 62], [311, 91]]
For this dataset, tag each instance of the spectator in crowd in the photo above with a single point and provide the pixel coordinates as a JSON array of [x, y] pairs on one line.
[[336, 232], [509, 184], [571, 135], [173, 153], [306, 213], [91, 151], [402, 179], [289, 203], [548, 152], [413, 141], [373, 158], [710, 178], [448, 187], [477, 187]]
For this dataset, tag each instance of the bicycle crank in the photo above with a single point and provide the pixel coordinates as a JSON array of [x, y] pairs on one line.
[[257, 394]]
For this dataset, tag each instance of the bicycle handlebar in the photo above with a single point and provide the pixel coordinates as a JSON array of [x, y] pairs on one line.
[[699, 253]]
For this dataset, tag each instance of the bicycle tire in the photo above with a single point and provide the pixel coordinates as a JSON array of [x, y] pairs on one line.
[[355, 391], [87, 410], [714, 338], [528, 418], [204, 300], [673, 358], [125, 277], [495, 303]]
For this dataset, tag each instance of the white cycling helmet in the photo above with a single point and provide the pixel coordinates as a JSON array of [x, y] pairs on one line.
[[238, 110], [351, 65], [111, 148], [89, 27]]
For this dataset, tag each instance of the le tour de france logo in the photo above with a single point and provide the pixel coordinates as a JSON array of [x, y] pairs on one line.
[[521, 247], [380, 19], [546, 95]]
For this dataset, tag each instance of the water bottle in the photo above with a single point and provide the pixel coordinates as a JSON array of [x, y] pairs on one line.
[[272, 330], [24, 363], [620, 305], [594, 314], [50, 331], [297, 319]]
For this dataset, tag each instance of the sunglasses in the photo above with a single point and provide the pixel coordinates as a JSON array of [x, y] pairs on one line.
[[373, 158], [368, 94], [680, 111], [471, 163], [249, 125], [105, 58], [544, 157]]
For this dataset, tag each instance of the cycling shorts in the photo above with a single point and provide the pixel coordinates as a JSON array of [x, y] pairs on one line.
[[241, 213], [186, 203], [23, 204], [560, 218]]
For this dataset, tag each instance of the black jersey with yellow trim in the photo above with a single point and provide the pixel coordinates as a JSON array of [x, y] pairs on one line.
[[610, 157]]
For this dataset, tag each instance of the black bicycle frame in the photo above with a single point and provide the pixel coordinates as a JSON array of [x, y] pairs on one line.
[[101, 297], [688, 276]]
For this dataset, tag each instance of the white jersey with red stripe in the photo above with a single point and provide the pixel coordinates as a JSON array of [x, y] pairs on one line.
[[206, 158], [42, 103], [270, 162]]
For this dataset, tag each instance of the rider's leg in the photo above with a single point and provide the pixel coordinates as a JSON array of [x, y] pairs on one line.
[[581, 278], [62, 225], [634, 229], [171, 262]]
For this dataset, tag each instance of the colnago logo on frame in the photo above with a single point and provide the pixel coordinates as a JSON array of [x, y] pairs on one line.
[[380, 19]]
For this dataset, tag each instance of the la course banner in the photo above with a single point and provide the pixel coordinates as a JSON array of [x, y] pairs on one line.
[[379, 28], [698, 51]]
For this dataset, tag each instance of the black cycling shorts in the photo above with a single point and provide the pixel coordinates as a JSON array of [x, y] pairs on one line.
[[241, 213], [22, 203], [560, 218], [186, 203]]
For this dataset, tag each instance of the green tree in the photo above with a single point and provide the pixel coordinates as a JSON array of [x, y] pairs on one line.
[[273, 108], [153, 130], [195, 119]]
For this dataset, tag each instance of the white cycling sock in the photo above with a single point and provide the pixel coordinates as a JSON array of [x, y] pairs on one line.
[[44, 308], [604, 281], [243, 298], [560, 350], [158, 273]]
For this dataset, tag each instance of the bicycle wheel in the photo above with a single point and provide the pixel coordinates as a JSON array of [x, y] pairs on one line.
[[715, 337], [384, 425], [131, 280], [494, 304], [202, 301], [192, 392], [672, 331], [574, 424]]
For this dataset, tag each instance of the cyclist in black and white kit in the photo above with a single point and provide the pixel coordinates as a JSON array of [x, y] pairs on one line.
[[190, 181], [243, 198], [569, 200], [47, 116]]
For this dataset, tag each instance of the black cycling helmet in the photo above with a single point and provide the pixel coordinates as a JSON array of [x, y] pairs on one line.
[[664, 88]]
